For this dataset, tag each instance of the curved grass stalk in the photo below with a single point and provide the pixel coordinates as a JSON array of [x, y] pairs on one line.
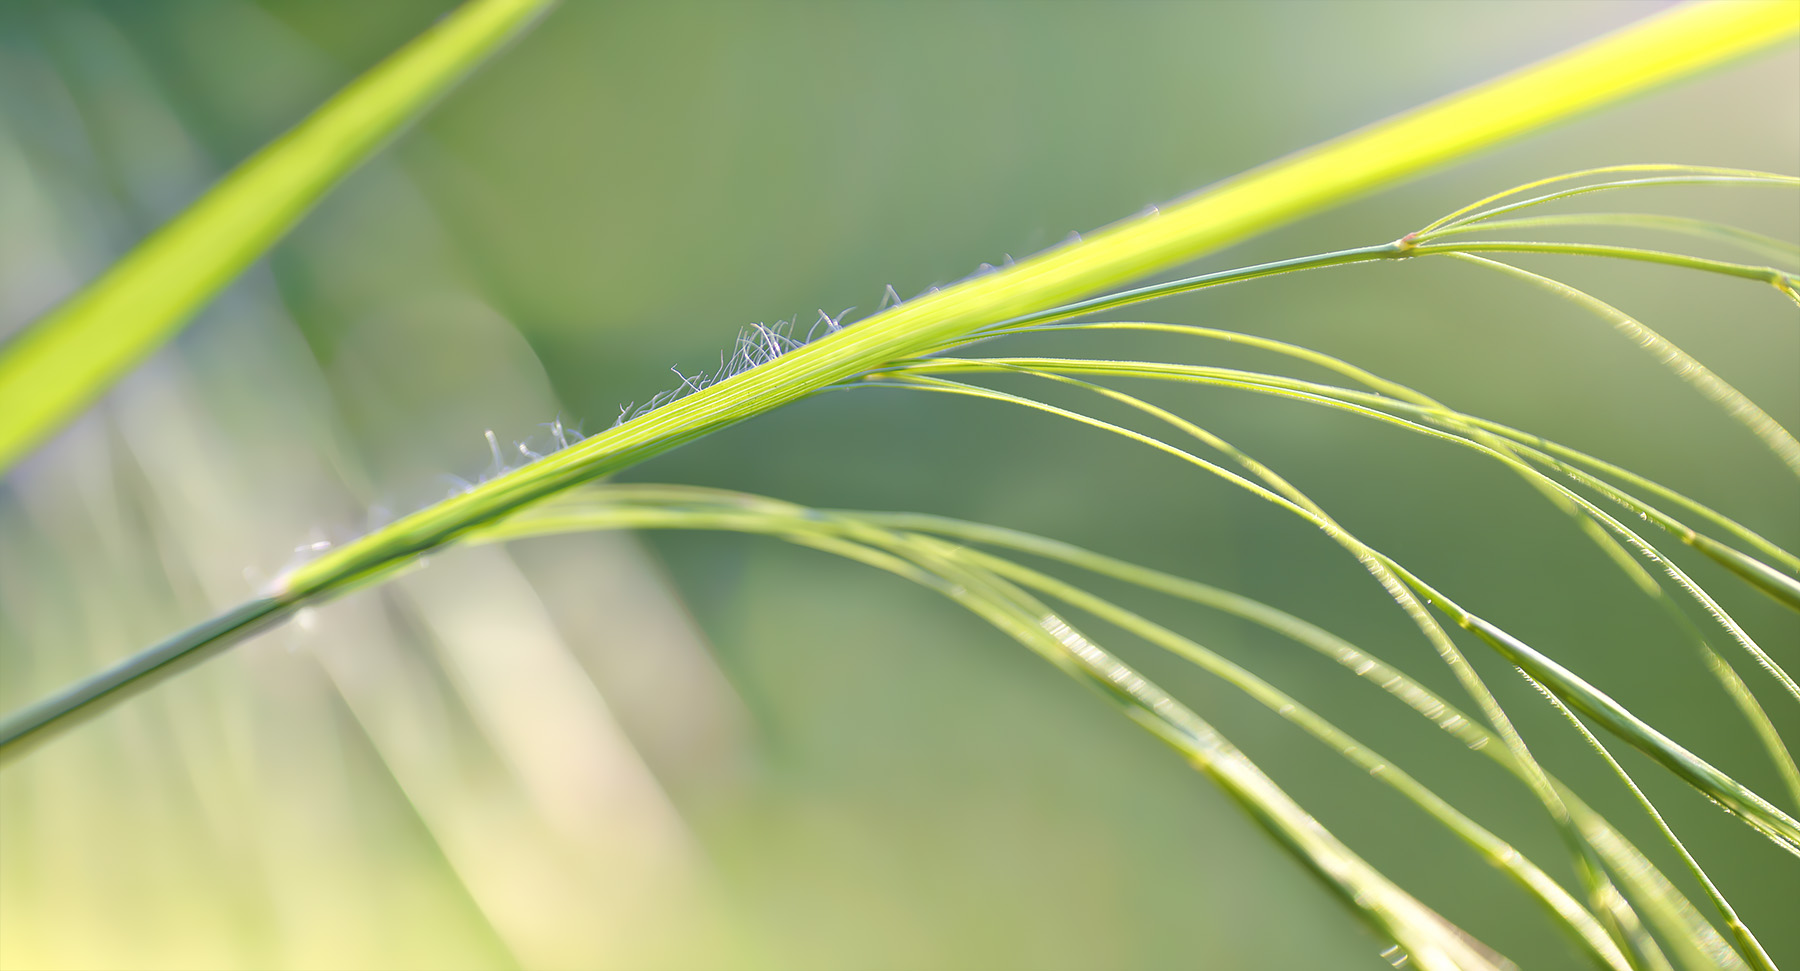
[[1783, 588], [1767, 247], [372, 558], [68, 358], [1539, 449], [1728, 793], [1780, 279], [1667, 174], [1344, 399]]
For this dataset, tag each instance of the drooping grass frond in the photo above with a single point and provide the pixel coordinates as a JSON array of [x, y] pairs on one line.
[[1370, 406], [972, 580], [1672, 913], [1392, 396], [677, 507], [1401, 586], [1570, 501]]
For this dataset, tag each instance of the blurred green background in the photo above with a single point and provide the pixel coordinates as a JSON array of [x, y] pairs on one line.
[[712, 751]]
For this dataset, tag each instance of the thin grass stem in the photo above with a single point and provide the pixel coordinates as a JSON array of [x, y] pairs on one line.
[[1765, 246]]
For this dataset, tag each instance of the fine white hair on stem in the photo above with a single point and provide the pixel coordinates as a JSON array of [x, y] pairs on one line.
[[756, 345], [494, 449]]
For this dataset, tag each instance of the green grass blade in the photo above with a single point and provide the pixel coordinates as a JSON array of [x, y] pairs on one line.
[[68, 358], [1426, 939], [1759, 720]]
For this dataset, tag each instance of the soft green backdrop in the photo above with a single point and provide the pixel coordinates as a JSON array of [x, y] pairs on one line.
[[776, 759]]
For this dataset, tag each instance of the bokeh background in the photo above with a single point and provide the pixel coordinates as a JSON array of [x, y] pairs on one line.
[[714, 751]]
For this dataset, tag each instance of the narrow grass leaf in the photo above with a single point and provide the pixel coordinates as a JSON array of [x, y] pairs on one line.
[[65, 360]]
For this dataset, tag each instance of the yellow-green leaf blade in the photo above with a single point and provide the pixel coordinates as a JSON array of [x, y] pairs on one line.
[[69, 357]]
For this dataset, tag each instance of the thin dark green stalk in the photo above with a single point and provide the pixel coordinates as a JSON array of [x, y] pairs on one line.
[[1397, 250], [1747, 942], [1360, 254], [1781, 279], [1766, 246], [24, 728]]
